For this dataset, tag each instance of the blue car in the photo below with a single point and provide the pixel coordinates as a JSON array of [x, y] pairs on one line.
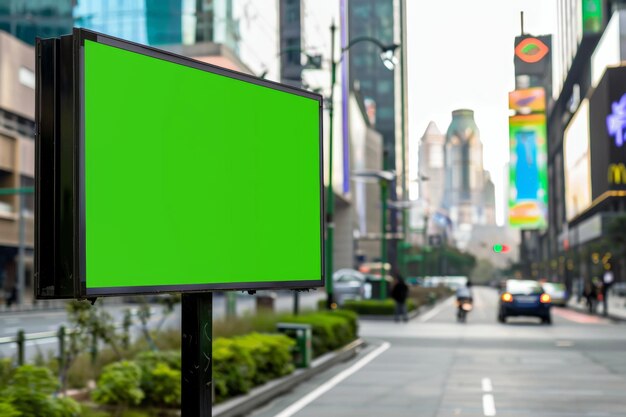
[[524, 298]]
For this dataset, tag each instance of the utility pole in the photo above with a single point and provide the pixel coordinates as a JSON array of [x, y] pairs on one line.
[[330, 199]]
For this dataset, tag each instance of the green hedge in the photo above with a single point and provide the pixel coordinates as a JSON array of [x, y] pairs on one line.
[[243, 362], [376, 307], [331, 330]]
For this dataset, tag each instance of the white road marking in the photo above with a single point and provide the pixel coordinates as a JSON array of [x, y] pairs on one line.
[[489, 405], [487, 386], [330, 384], [432, 313]]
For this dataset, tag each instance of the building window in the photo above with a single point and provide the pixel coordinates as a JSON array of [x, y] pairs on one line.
[[293, 51]]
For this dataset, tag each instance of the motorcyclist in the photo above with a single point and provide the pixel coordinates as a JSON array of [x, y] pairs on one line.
[[463, 295]]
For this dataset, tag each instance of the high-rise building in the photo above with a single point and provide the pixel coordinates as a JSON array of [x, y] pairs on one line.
[[161, 22], [17, 158], [375, 19], [468, 198], [27, 19], [291, 31], [432, 170]]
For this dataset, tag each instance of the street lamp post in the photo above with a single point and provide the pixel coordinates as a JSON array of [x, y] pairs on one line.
[[389, 60], [384, 178]]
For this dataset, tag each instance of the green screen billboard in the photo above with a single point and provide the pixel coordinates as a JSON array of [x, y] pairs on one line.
[[188, 177]]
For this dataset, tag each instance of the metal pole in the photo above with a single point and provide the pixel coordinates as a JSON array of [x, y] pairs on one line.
[[197, 355], [405, 192], [383, 239], [296, 302], [330, 200], [21, 344]]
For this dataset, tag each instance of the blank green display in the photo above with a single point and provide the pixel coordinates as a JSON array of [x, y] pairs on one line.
[[196, 178]]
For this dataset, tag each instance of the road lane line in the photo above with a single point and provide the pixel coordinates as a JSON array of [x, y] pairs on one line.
[[330, 384], [489, 405], [487, 386], [432, 313]]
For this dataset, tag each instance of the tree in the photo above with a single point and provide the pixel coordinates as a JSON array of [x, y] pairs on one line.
[[483, 272]]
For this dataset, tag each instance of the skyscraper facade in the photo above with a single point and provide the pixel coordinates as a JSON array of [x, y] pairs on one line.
[[161, 22], [27, 19]]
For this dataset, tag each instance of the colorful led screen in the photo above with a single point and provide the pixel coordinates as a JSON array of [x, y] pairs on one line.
[[528, 185]]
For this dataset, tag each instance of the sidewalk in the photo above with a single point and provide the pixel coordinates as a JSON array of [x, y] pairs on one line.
[[617, 307]]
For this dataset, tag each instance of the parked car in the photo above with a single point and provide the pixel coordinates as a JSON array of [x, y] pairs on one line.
[[524, 298], [557, 291], [349, 284]]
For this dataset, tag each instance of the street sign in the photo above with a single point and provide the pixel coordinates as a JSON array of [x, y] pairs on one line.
[[159, 173]]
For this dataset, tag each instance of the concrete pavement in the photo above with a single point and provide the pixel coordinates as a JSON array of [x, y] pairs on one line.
[[433, 366]]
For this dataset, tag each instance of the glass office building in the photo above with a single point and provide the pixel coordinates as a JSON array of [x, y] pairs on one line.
[[27, 19]]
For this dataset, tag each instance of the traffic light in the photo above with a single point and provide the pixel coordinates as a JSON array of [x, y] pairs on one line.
[[500, 248]]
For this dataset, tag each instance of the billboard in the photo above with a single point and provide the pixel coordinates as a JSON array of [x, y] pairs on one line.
[[607, 116], [529, 100], [528, 179], [592, 16], [577, 163], [159, 173]]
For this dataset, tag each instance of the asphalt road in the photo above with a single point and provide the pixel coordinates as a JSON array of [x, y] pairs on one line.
[[47, 321], [433, 366]]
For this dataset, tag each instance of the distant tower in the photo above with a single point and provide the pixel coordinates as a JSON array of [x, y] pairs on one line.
[[432, 166], [464, 188]]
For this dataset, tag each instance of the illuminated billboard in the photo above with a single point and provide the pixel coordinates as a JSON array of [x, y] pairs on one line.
[[577, 163], [159, 173], [529, 100], [607, 116], [528, 179]]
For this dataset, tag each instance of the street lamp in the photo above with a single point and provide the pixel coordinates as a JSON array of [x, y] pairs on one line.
[[387, 52], [383, 178]]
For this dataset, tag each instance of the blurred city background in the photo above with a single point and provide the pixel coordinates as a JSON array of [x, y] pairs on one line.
[[465, 148]]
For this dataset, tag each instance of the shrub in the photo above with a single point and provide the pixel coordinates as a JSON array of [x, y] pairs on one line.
[[80, 372], [376, 307], [119, 385], [6, 372], [233, 369], [330, 331], [30, 390], [7, 410], [165, 387]]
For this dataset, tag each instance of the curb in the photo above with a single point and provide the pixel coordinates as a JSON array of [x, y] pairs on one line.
[[260, 395]]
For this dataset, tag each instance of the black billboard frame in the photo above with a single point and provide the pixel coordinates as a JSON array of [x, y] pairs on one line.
[[64, 137]]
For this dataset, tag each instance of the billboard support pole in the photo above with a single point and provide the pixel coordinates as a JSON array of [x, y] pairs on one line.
[[197, 355]]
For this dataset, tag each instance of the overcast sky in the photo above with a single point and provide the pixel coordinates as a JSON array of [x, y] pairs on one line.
[[460, 55]]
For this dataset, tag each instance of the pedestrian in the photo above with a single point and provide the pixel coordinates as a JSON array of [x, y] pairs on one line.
[[11, 297], [607, 281], [400, 293], [591, 296]]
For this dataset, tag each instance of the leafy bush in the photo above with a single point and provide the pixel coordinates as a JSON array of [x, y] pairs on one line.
[[233, 368], [119, 385], [160, 377], [29, 392], [6, 372], [376, 307], [330, 331], [165, 387], [7, 410]]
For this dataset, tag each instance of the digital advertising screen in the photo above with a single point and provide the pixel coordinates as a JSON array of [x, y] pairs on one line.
[[577, 163], [528, 179], [192, 177]]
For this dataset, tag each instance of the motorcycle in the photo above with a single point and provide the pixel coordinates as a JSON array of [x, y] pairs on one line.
[[464, 306]]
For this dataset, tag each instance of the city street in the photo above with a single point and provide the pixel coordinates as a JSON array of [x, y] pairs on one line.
[[433, 366]]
